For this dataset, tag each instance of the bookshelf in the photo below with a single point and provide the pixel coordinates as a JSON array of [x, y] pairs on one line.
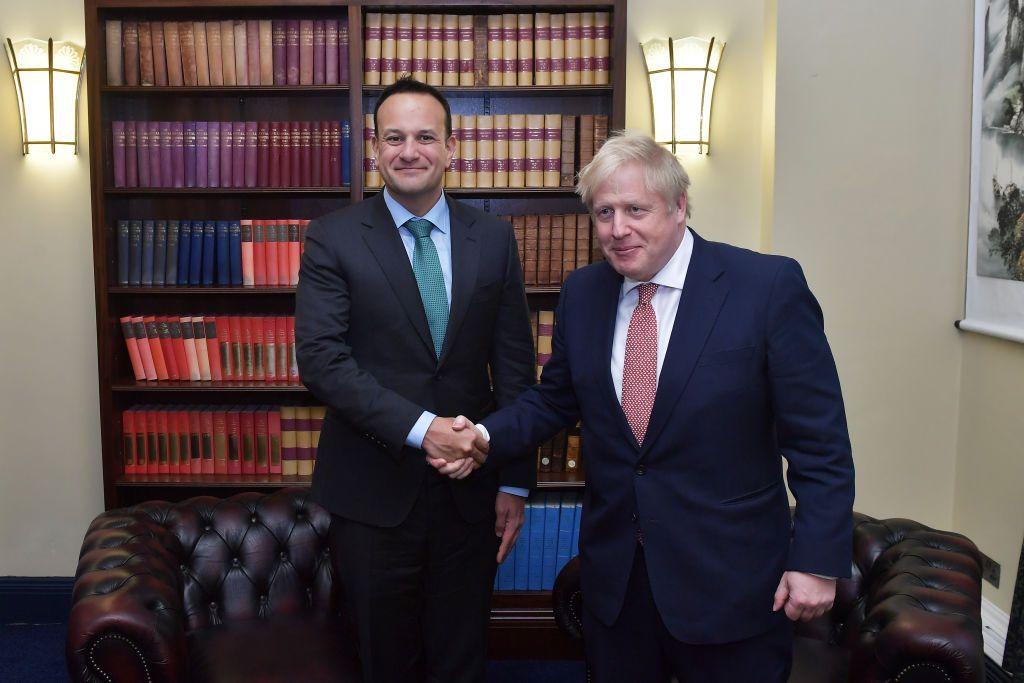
[[522, 623]]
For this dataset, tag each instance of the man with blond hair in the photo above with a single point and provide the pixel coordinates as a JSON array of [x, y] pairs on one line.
[[694, 366]]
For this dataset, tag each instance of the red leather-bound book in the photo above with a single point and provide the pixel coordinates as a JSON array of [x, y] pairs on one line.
[[259, 253], [305, 154], [286, 154], [238, 154], [133, 348], [128, 450], [247, 345], [227, 155], [262, 441], [167, 347], [154, 347], [206, 440], [195, 441], [343, 70], [325, 154], [227, 370], [251, 150], [163, 441], [292, 51], [156, 443], [263, 154], [131, 154], [283, 253], [142, 143], [220, 441], [330, 51], [237, 341], [334, 154], [293, 253], [293, 365], [139, 415], [181, 428], [269, 348], [281, 325], [295, 130], [213, 347], [259, 372], [270, 231], [279, 42], [305, 52], [274, 171], [178, 455], [319, 52], [234, 428], [247, 255], [202, 351], [145, 353], [248, 440], [316, 149], [178, 344], [189, 342], [274, 439]]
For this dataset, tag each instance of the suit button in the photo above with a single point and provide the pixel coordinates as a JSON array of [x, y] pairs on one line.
[[641, 470], [635, 518]]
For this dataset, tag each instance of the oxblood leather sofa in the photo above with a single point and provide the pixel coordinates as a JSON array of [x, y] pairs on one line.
[[911, 611], [209, 589]]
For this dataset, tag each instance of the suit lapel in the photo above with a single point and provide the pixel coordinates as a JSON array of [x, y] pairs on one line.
[[702, 297], [465, 261], [382, 238], [607, 308]]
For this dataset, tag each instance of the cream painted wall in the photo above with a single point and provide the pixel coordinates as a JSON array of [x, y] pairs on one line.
[[49, 406]]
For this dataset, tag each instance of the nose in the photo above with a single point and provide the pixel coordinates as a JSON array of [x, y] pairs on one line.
[[409, 150], [620, 225]]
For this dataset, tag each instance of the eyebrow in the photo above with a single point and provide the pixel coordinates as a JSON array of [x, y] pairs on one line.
[[389, 131]]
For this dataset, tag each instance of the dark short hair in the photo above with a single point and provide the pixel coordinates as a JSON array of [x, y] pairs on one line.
[[408, 84]]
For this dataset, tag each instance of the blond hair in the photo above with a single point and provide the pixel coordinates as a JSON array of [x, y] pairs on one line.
[[663, 174]]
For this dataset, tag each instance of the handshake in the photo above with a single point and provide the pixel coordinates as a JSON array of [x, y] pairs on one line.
[[455, 447]]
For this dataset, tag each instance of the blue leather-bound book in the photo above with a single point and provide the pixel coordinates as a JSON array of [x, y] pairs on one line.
[[160, 253], [184, 251], [195, 266], [551, 512], [209, 251], [148, 235], [522, 580], [173, 235], [235, 248], [223, 272], [506, 573], [123, 253], [576, 529], [536, 573], [346, 153], [566, 517]]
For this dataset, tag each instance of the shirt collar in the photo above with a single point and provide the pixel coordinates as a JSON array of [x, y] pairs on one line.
[[438, 214], [673, 274]]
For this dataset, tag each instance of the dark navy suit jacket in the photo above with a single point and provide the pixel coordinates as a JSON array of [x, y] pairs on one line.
[[748, 377]]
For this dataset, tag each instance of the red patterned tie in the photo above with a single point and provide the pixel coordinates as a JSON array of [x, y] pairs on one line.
[[640, 367]]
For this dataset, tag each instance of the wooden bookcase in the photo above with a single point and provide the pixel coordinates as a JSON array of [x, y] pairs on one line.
[[522, 623]]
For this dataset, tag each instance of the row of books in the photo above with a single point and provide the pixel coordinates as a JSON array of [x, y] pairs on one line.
[[547, 541], [511, 150], [253, 52], [201, 440], [231, 153], [236, 253], [552, 246], [233, 348], [497, 49]]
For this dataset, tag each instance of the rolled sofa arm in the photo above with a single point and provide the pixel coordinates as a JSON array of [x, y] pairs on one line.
[[567, 600], [127, 621]]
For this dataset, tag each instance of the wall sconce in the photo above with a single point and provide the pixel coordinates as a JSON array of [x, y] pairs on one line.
[[681, 74], [48, 80]]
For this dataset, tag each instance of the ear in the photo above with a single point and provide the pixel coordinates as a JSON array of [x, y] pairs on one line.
[[375, 145], [680, 209], [450, 145]]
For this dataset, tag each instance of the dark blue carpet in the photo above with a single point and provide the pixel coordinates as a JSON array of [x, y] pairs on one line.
[[35, 653]]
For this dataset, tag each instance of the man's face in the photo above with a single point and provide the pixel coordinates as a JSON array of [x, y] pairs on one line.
[[637, 231], [410, 144]]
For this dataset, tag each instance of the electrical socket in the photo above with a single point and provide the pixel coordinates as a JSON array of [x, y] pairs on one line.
[[990, 570]]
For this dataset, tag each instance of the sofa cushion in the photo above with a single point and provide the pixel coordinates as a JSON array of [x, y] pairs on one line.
[[278, 649]]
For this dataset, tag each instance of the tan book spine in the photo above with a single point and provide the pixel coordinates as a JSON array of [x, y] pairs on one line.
[[145, 53], [544, 249], [485, 150], [303, 441], [587, 48], [535, 150], [266, 32], [494, 47], [480, 49], [568, 255], [466, 75], [602, 48], [542, 48], [567, 176], [241, 52], [557, 49], [419, 47], [552, 149], [371, 174], [202, 53], [517, 150], [388, 47], [305, 52], [213, 49], [450, 52], [403, 58], [172, 43], [532, 230], [372, 49], [227, 51], [586, 144], [115, 68], [509, 49], [453, 175], [600, 131], [189, 68], [573, 38], [159, 54], [524, 49], [501, 147], [289, 440], [435, 49], [467, 150], [130, 54]]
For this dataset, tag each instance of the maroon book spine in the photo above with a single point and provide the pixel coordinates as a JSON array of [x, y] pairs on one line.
[[305, 52], [142, 130], [331, 52], [213, 155], [316, 149], [190, 153], [252, 51], [343, 73], [251, 153], [286, 154], [319, 52], [117, 128], [292, 51], [279, 42], [305, 154], [131, 154], [202, 154], [296, 155], [238, 154], [166, 152], [275, 154], [325, 154], [334, 153], [227, 141], [263, 154], [178, 153], [155, 144]]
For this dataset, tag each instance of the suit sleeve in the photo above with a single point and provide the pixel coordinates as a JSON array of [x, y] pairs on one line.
[[810, 424], [513, 361], [326, 366], [540, 412]]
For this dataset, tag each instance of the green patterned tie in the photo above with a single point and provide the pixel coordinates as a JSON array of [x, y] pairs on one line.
[[426, 266]]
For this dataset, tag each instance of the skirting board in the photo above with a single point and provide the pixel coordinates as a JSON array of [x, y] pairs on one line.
[[994, 623], [35, 599]]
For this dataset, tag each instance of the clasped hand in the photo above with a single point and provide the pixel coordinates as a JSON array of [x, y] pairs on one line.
[[454, 446]]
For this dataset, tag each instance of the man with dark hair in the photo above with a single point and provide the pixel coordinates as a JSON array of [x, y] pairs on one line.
[[411, 305]]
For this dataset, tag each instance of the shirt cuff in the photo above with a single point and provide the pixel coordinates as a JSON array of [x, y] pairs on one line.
[[822, 576], [419, 430], [483, 430], [515, 491]]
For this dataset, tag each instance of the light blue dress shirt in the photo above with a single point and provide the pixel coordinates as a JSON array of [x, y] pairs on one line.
[[442, 238]]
